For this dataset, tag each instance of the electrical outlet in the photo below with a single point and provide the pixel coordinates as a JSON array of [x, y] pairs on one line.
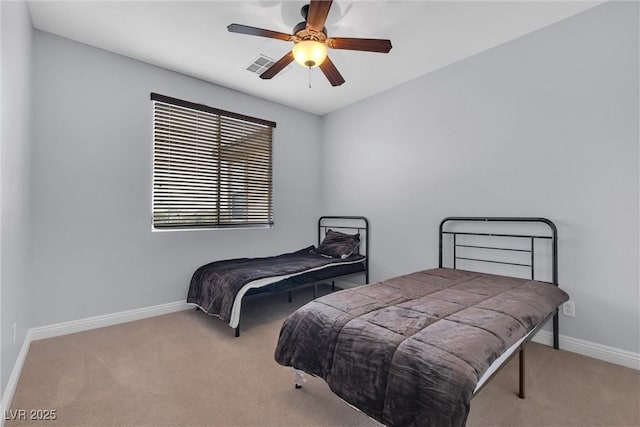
[[569, 309], [15, 335]]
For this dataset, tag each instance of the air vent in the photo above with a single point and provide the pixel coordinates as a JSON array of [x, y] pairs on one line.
[[261, 64]]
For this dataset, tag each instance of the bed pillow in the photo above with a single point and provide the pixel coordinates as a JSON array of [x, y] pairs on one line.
[[338, 245]]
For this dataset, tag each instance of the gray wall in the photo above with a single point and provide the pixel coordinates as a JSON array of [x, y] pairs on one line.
[[94, 250], [546, 125], [16, 137]]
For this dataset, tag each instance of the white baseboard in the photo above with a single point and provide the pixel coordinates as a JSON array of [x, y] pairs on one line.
[[12, 384], [74, 326], [95, 322], [346, 284], [591, 349]]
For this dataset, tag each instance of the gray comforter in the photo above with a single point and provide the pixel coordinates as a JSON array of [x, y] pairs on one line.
[[214, 286], [409, 351]]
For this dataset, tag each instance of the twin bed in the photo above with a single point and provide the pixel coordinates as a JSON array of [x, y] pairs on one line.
[[218, 288], [415, 349]]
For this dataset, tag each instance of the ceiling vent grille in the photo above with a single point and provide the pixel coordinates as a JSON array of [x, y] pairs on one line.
[[261, 64]]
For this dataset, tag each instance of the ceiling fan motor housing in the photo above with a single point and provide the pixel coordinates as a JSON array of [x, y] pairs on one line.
[[300, 30]]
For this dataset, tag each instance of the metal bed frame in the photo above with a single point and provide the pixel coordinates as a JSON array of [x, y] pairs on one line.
[[322, 230], [323, 227], [360, 225], [531, 238]]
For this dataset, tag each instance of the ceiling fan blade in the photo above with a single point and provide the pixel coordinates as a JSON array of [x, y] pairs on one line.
[[331, 72], [368, 45], [317, 15], [253, 31], [278, 66]]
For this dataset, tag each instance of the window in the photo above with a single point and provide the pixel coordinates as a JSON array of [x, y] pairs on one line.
[[211, 168]]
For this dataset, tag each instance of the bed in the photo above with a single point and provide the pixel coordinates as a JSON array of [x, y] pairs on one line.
[[415, 349], [218, 288]]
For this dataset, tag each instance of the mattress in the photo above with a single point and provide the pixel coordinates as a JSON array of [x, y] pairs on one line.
[[217, 288], [412, 350]]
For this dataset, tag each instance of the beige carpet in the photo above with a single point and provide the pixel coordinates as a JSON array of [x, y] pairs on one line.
[[187, 369]]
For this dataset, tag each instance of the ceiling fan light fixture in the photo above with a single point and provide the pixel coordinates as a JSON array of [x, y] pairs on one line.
[[309, 53]]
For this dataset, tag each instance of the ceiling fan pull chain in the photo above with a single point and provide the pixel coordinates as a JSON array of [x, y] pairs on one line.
[[309, 77]]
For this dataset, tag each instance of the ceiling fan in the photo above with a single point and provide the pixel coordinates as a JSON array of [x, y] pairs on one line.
[[311, 42]]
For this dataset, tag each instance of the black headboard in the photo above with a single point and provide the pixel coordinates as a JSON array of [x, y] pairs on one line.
[[531, 238], [351, 225], [488, 247]]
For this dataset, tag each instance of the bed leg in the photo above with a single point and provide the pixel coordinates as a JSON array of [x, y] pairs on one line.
[[237, 331], [300, 378], [289, 296], [556, 337], [315, 290], [521, 357], [333, 286]]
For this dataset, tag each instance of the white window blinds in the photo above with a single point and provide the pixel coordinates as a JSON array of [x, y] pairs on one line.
[[211, 168]]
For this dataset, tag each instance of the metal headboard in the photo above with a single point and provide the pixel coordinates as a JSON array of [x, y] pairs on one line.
[[351, 224], [553, 236]]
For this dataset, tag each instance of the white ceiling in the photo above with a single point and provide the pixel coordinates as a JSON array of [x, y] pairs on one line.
[[192, 38]]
